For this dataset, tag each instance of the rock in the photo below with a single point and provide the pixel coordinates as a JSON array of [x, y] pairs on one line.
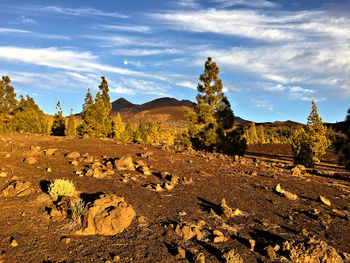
[[50, 151], [270, 252], [146, 155], [43, 198], [65, 240], [346, 256], [297, 170], [49, 170], [226, 211], [8, 155], [108, 215], [74, 163], [188, 231], [73, 155], [278, 189], [199, 258], [181, 253], [182, 213], [232, 257], [29, 160], [252, 244], [324, 200], [144, 170], [311, 250], [3, 174], [290, 196], [16, 188], [13, 242], [219, 236], [125, 163]]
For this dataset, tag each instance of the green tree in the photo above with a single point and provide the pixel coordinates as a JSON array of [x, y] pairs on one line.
[[97, 121], [71, 128], [310, 143], [59, 125], [118, 129], [345, 144], [8, 105], [262, 134], [29, 118], [253, 137], [212, 119]]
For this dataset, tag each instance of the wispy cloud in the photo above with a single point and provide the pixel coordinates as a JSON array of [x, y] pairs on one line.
[[128, 28], [86, 11], [263, 104], [119, 41], [145, 52], [31, 33], [188, 4], [25, 20], [247, 3]]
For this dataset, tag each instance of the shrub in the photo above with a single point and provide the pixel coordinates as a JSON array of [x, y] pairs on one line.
[[61, 187], [78, 212]]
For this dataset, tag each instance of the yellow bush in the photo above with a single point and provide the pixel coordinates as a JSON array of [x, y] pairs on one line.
[[61, 187]]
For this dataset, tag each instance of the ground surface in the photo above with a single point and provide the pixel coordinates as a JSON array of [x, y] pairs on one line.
[[267, 218]]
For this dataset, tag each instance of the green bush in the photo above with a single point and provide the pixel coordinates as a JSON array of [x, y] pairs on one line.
[[61, 187]]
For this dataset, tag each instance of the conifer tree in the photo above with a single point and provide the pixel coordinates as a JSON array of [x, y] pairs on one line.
[[29, 118], [310, 143], [262, 134], [345, 147], [96, 115], [71, 129], [8, 104], [118, 128], [253, 137], [212, 119], [59, 124]]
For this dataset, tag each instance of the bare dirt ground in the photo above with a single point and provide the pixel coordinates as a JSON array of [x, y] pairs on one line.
[[264, 219]]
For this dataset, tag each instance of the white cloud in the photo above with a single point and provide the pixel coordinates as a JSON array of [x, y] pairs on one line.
[[118, 41], [13, 30], [248, 3], [145, 52], [188, 4], [129, 28], [26, 20], [243, 23], [86, 11], [262, 103]]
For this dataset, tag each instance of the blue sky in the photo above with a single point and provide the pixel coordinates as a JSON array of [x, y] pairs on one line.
[[274, 56]]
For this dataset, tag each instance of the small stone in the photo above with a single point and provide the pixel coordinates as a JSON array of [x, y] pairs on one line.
[[65, 240], [73, 155], [13, 242], [48, 170], [252, 244], [270, 252], [199, 258], [232, 257], [219, 236], [50, 151], [75, 163], [116, 258], [182, 213], [324, 200], [3, 174], [29, 160], [181, 253], [290, 196], [7, 155]]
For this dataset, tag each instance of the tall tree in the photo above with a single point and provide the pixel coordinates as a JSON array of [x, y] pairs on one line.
[[310, 143], [96, 115], [345, 146], [212, 119], [59, 124], [8, 104], [71, 129], [29, 118]]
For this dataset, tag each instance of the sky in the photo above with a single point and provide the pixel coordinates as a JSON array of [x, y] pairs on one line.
[[274, 56]]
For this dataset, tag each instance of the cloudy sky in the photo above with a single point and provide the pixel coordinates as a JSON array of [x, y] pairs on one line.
[[274, 56]]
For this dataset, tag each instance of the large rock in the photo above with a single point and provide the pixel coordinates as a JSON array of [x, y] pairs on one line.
[[311, 251], [16, 188], [29, 160], [125, 163], [108, 215], [73, 155]]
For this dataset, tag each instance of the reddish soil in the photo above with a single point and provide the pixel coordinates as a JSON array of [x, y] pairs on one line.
[[268, 218]]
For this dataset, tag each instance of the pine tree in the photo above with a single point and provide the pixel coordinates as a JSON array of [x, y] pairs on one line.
[[96, 115], [345, 146], [262, 134], [8, 105], [310, 143], [59, 124], [118, 129], [212, 119], [29, 118], [71, 129], [253, 137]]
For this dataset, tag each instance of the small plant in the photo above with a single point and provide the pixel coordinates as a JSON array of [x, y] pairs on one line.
[[61, 187], [79, 210]]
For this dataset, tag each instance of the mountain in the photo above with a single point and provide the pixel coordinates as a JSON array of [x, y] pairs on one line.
[[126, 108]]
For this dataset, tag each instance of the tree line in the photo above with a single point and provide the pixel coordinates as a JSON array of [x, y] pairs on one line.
[[210, 123]]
